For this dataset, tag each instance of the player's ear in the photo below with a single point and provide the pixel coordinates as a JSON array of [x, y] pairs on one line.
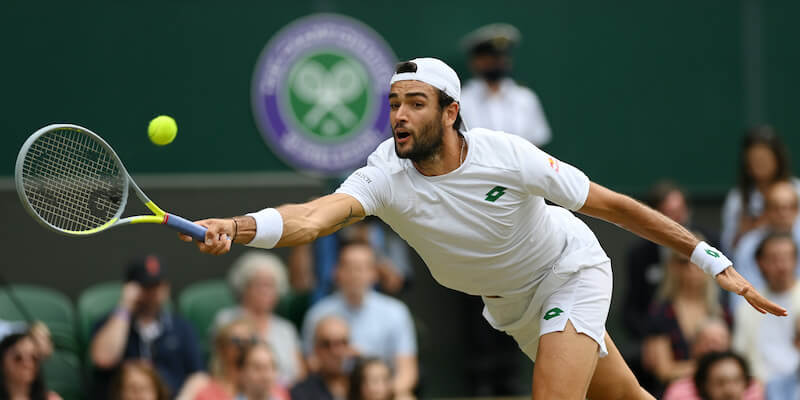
[[450, 113]]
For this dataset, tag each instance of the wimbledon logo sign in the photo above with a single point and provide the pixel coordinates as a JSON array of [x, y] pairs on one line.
[[320, 93]]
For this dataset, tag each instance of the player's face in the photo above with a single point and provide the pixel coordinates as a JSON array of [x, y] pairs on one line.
[[417, 120]]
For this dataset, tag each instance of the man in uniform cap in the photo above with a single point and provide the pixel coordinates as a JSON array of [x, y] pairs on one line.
[[492, 99]]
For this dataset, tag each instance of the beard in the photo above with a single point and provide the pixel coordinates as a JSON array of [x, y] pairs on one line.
[[426, 144]]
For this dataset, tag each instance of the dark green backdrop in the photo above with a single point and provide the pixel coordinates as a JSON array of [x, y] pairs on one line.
[[634, 91]]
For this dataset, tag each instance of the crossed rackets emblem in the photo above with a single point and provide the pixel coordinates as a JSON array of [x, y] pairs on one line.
[[329, 92]]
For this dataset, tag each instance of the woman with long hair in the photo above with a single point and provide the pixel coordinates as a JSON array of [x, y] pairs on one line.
[[687, 298], [227, 357], [259, 378], [22, 373], [371, 379], [764, 160]]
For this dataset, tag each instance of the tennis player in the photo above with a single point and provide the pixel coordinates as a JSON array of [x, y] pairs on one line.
[[472, 204]]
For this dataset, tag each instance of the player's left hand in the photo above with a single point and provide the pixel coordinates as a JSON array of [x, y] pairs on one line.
[[730, 280]]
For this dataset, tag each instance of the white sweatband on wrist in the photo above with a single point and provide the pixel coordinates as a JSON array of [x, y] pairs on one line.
[[269, 228], [709, 259]]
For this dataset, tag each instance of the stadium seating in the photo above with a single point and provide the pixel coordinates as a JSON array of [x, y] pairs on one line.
[[62, 373], [43, 304], [200, 302], [94, 302]]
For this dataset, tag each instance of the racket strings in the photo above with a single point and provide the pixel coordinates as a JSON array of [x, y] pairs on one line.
[[72, 181]]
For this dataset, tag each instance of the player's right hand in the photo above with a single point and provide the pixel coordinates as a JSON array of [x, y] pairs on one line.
[[217, 236]]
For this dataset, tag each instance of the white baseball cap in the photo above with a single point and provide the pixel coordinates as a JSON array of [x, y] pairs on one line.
[[435, 73]]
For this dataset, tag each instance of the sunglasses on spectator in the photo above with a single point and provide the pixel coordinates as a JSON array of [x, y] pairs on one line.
[[331, 343], [243, 341]]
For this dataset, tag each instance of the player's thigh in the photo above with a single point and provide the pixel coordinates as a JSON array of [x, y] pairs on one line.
[[613, 379], [564, 365]]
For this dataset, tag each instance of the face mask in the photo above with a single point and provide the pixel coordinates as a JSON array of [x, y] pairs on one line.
[[494, 74]]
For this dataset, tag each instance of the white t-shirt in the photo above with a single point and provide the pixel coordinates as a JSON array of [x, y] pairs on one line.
[[513, 108], [484, 228]]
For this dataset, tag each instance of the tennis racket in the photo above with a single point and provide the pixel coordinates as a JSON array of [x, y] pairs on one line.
[[71, 181]]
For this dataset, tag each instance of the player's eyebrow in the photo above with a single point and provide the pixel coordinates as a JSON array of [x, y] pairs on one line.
[[394, 95]]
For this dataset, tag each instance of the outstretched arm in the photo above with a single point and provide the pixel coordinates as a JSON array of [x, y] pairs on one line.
[[301, 223], [650, 224]]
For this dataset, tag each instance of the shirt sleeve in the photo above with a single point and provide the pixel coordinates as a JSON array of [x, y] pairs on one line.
[[544, 175], [370, 186]]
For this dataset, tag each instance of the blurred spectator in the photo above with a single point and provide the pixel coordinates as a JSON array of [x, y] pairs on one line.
[[226, 360], [713, 336], [38, 331], [780, 215], [137, 380], [371, 380], [724, 376], [22, 374], [332, 357], [142, 327], [493, 100], [645, 264], [380, 326], [687, 298], [259, 376], [313, 265], [258, 279], [768, 343], [764, 160]]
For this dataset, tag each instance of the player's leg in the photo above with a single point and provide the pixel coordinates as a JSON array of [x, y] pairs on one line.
[[613, 379], [565, 363]]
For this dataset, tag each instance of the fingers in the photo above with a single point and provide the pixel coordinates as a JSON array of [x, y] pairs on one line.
[[215, 243], [763, 305]]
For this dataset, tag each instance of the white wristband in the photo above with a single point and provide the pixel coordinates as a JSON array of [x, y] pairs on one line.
[[709, 259], [269, 228]]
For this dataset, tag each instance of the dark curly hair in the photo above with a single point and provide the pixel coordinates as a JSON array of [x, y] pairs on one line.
[[705, 363]]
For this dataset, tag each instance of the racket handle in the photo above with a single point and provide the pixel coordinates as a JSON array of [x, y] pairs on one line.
[[185, 226]]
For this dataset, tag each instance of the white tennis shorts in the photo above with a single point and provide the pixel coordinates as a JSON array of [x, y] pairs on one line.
[[582, 297]]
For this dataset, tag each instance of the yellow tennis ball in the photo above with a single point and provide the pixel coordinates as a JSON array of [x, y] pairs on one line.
[[162, 130]]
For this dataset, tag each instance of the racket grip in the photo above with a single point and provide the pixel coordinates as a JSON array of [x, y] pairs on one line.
[[187, 227]]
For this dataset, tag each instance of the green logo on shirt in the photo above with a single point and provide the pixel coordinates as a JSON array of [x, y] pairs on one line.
[[552, 313], [495, 193], [712, 253]]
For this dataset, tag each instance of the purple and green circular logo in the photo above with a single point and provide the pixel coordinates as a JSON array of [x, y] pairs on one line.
[[320, 93]]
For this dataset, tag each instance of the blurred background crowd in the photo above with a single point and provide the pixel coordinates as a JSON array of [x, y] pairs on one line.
[[343, 318]]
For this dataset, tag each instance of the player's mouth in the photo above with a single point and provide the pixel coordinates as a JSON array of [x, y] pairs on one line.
[[401, 136]]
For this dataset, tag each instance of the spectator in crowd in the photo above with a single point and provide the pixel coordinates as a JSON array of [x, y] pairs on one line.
[[313, 265], [37, 331], [780, 215], [380, 326], [137, 380], [724, 376], [332, 359], [371, 379], [22, 375], [259, 376], [258, 279], [687, 297], [493, 100], [764, 160], [714, 336], [768, 343], [142, 327], [226, 360], [645, 264]]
